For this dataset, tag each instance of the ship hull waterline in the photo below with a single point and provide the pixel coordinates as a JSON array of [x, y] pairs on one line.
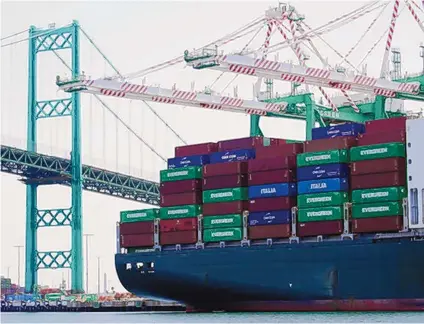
[[358, 275]]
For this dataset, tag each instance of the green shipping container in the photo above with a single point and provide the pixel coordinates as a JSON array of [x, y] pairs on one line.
[[187, 173], [324, 157], [180, 211], [224, 195], [379, 151], [320, 214], [233, 220], [141, 215], [378, 195], [137, 250], [224, 234], [381, 209], [322, 199]]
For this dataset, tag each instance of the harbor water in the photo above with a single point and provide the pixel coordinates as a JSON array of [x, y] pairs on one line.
[[181, 317]]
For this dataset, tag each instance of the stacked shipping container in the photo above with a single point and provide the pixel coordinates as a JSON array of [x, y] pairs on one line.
[[225, 193], [272, 190], [378, 177], [220, 181], [181, 194], [137, 228], [323, 173]]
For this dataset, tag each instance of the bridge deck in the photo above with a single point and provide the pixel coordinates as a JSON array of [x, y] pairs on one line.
[[45, 169]]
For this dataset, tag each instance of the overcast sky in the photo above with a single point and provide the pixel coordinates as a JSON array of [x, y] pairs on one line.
[[136, 35]]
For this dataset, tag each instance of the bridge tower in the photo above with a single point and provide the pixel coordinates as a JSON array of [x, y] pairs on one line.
[[43, 40]]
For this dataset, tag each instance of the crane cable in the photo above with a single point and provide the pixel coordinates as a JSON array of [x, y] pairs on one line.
[[364, 34], [343, 20], [378, 41], [180, 58], [328, 44], [242, 50]]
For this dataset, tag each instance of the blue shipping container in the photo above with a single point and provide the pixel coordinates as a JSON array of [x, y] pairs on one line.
[[188, 161], [232, 156], [335, 170], [348, 129], [270, 218], [324, 185], [272, 190], [23, 297]]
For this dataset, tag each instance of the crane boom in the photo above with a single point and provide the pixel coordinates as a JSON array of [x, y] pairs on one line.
[[115, 88], [294, 73]]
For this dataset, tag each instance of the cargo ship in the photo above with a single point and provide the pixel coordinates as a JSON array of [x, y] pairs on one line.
[[334, 223]]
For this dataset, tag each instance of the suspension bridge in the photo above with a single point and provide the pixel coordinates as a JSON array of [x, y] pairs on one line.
[[362, 98]]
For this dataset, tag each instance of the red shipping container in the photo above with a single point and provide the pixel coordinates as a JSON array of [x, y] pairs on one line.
[[272, 163], [271, 204], [377, 224], [269, 231], [196, 149], [178, 225], [277, 141], [269, 177], [385, 125], [137, 228], [320, 228], [185, 237], [137, 240], [175, 187], [227, 181], [280, 150], [240, 143], [327, 144], [224, 208], [379, 180], [187, 198], [378, 166], [382, 137], [221, 169]]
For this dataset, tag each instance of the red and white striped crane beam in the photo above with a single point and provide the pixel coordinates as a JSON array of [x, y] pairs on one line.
[[314, 76], [414, 14], [132, 91], [385, 63]]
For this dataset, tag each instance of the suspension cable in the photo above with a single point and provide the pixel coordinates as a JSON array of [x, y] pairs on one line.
[[100, 52], [115, 115], [165, 123], [15, 34], [31, 37], [120, 74]]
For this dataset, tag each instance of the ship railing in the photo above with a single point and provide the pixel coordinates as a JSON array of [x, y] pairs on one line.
[[347, 215], [293, 238]]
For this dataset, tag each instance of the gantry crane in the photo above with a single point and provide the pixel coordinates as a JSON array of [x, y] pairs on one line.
[[295, 106]]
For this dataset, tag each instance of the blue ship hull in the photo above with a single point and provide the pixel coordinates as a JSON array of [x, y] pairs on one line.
[[334, 275]]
